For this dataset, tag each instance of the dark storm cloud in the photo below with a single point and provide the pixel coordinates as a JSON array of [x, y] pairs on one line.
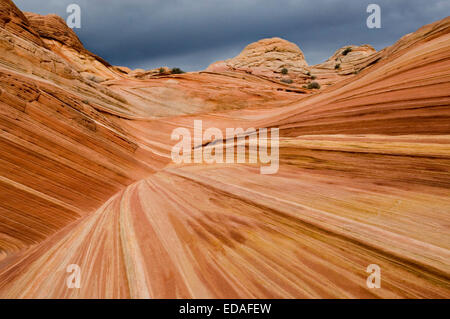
[[194, 33]]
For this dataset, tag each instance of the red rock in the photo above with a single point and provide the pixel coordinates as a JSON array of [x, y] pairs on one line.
[[13, 20], [53, 27], [267, 58], [86, 177]]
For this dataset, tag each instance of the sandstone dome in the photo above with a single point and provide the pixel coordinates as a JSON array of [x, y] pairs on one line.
[[87, 179], [272, 54]]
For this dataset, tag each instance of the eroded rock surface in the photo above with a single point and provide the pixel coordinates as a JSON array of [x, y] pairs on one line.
[[14, 21], [86, 175]]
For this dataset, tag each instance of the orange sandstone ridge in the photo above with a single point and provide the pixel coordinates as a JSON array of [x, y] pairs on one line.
[[86, 176], [14, 21]]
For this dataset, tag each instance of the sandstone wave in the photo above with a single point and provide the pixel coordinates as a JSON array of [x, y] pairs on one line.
[[86, 176]]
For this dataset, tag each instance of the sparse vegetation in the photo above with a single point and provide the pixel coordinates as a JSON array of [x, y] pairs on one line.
[[337, 66], [347, 51], [313, 77], [177, 71], [287, 81], [162, 70], [313, 85], [94, 78], [284, 71], [308, 73]]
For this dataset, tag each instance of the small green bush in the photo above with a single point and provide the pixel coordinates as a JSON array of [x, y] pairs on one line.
[[177, 71], [308, 73], [313, 85], [347, 51], [162, 70], [284, 71], [337, 66], [313, 77]]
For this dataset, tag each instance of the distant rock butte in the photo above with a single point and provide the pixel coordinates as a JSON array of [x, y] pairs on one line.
[[345, 61], [13, 20], [350, 54], [268, 58]]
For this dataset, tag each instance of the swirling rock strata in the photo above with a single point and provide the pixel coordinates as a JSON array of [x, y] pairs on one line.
[[86, 178]]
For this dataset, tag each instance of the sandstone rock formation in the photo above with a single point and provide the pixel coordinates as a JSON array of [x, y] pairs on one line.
[[62, 40], [14, 21], [344, 62], [86, 176], [273, 54], [267, 57], [347, 57]]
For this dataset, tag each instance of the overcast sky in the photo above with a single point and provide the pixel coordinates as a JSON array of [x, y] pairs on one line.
[[192, 34]]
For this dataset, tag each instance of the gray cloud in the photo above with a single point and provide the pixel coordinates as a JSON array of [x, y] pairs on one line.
[[194, 33]]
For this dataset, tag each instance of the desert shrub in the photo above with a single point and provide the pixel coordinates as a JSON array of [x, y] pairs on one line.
[[94, 78], [284, 71], [308, 73], [177, 71], [162, 70], [337, 66], [313, 77], [313, 85], [347, 51], [288, 81]]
